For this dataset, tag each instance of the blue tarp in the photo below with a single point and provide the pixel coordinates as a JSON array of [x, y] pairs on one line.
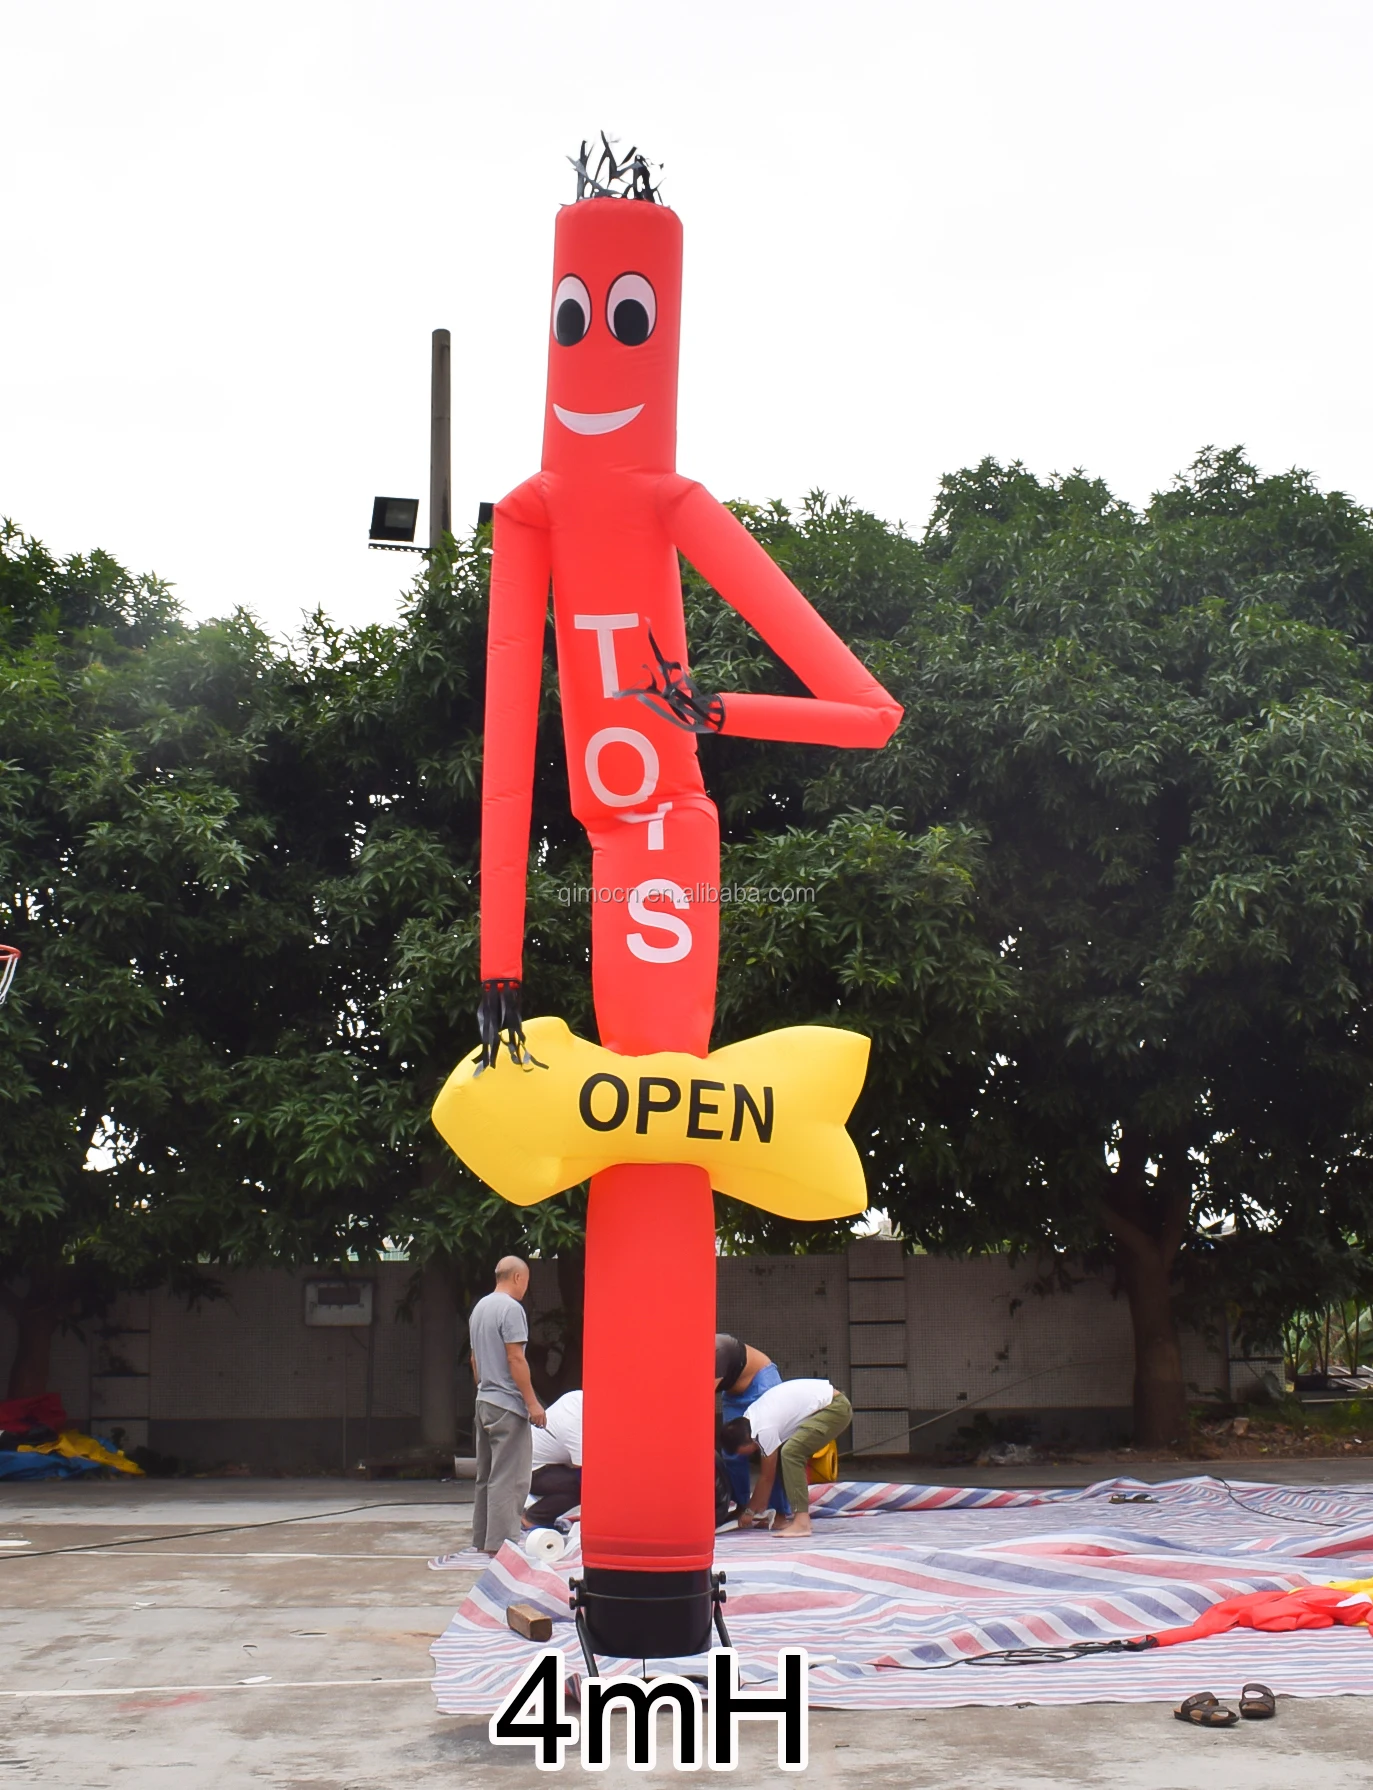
[[14, 1465]]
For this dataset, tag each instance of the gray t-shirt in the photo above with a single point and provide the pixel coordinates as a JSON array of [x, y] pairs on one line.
[[497, 1320]]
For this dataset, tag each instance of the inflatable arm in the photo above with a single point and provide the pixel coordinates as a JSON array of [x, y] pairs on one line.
[[514, 661], [848, 707]]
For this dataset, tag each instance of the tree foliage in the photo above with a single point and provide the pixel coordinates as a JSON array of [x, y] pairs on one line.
[[1102, 905], [126, 861], [1158, 724]]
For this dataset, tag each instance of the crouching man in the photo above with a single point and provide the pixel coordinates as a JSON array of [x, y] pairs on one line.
[[785, 1427], [556, 1480]]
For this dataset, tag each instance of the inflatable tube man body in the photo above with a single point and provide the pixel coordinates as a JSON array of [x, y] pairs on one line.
[[604, 520]]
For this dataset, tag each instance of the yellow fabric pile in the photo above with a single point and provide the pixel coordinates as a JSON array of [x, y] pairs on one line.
[[73, 1443]]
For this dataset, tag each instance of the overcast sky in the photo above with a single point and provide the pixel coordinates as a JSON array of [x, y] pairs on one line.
[[1096, 233]]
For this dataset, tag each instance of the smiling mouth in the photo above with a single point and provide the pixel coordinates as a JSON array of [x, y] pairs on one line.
[[595, 422]]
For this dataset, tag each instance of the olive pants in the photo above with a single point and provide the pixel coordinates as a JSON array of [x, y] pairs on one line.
[[807, 1439]]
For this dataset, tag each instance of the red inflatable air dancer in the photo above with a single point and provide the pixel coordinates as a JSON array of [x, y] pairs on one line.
[[604, 520]]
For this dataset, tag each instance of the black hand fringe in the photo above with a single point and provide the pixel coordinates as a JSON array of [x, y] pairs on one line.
[[677, 698], [499, 1022]]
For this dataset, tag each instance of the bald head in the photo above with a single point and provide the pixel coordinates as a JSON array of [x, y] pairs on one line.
[[512, 1276]]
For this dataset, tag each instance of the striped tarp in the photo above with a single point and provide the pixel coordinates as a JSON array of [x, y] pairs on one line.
[[900, 1586]]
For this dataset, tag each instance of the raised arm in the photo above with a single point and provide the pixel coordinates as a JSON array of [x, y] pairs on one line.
[[848, 707], [514, 660]]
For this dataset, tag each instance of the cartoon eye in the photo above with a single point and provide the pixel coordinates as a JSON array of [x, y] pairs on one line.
[[571, 310], [631, 309]]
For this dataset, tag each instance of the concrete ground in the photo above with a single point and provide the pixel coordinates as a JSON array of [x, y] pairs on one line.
[[297, 1655]]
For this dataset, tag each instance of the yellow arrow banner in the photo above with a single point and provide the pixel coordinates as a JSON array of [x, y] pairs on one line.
[[764, 1117]]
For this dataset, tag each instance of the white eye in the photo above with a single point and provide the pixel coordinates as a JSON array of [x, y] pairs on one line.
[[571, 310], [631, 310]]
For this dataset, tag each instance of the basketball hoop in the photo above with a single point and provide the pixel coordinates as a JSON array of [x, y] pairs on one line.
[[9, 959]]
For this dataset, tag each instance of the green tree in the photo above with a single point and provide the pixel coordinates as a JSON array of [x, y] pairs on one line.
[[125, 865], [234, 873], [1102, 905], [1157, 724]]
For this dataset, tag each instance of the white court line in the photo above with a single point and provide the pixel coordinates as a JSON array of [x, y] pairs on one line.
[[172, 1690], [201, 1554]]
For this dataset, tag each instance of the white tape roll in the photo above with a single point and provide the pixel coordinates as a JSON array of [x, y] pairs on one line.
[[545, 1544]]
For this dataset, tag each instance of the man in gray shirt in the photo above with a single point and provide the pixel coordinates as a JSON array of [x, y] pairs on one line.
[[506, 1406]]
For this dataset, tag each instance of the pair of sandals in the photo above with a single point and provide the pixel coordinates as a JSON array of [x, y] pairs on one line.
[[1257, 1704]]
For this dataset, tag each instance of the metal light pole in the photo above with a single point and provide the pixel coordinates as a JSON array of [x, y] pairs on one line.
[[394, 518], [440, 438]]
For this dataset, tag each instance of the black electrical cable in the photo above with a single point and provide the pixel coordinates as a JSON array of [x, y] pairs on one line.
[[1059, 1367], [133, 1541], [1278, 1516], [1037, 1656], [1048, 1656], [316, 1516]]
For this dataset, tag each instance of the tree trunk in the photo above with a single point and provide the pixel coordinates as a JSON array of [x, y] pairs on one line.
[[1148, 1219], [1160, 1396], [567, 1344], [37, 1312], [572, 1297], [439, 1354]]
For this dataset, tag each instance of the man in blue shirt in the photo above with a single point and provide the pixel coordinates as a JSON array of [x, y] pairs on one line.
[[506, 1406], [743, 1374]]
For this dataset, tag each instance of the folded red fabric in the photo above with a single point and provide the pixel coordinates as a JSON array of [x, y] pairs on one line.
[[1310, 1606], [44, 1412]]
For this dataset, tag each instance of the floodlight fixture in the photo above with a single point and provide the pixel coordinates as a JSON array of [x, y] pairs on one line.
[[393, 524]]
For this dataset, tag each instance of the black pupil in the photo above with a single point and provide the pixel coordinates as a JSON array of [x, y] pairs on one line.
[[570, 324], [631, 322]]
